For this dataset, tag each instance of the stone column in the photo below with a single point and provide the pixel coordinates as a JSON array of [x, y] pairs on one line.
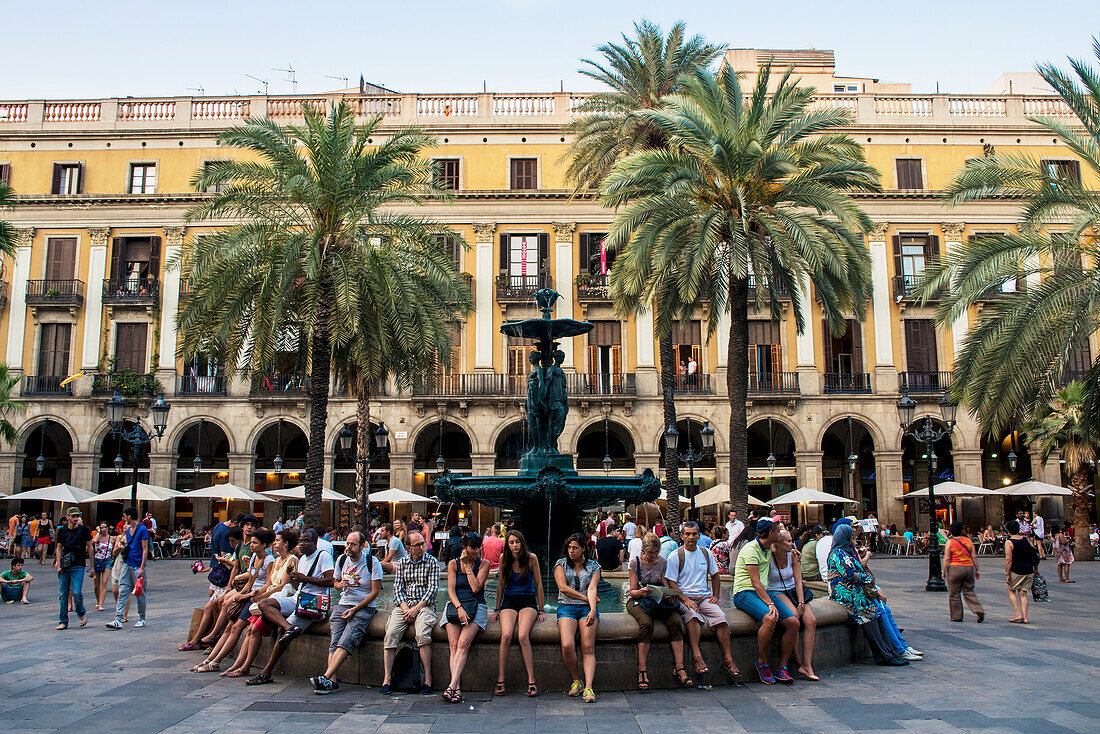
[[84, 471], [17, 318], [240, 469], [162, 466], [482, 465], [563, 281], [98, 240], [886, 373], [10, 462], [645, 370], [723, 335], [809, 379], [809, 470], [952, 240], [968, 470], [401, 471], [483, 296], [643, 461], [169, 307], [888, 487]]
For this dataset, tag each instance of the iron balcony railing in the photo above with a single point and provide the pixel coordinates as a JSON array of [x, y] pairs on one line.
[[45, 386], [697, 383], [201, 385], [131, 290], [924, 382], [774, 383], [460, 385], [62, 292], [847, 383], [129, 385], [275, 384], [780, 291], [521, 287], [601, 384], [592, 287]]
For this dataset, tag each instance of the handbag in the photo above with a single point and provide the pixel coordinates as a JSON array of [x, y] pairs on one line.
[[471, 610], [219, 575], [313, 606]]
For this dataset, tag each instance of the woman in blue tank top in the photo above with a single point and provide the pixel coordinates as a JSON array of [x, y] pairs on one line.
[[519, 606], [466, 613]]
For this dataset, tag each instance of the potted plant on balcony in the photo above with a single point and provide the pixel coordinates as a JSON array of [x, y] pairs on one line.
[[502, 281], [52, 293], [583, 280]]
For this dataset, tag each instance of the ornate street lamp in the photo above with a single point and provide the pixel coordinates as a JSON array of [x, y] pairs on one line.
[[278, 462], [137, 436], [691, 456], [376, 449], [40, 462], [606, 445], [770, 461], [198, 453], [926, 432]]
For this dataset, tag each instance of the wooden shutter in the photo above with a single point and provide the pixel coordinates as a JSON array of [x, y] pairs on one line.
[[80, 178], [920, 346], [117, 245], [5, 174], [55, 186], [593, 358], [931, 246], [776, 358], [61, 258], [154, 258], [857, 345], [584, 252], [504, 253], [754, 360], [827, 342], [53, 354], [544, 252], [616, 359], [130, 347], [895, 240]]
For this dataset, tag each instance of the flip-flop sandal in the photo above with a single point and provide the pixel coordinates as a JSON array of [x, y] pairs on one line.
[[802, 675], [83, 621], [532, 690], [259, 680], [686, 681], [501, 689], [1016, 621], [188, 647], [735, 675], [61, 627]]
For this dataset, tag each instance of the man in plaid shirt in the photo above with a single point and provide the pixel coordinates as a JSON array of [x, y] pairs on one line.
[[415, 584]]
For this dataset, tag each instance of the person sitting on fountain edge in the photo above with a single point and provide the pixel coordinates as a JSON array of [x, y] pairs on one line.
[[415, 585], [688, 571]]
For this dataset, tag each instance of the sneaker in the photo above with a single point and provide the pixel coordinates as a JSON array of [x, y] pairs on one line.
[[114, 624], [139, 624], [782, 675], [589, 696], [315, 681], [385, 689], [914, 651], [576, 688], [323, 686], [893, 661], [910, 656], [765, 673]]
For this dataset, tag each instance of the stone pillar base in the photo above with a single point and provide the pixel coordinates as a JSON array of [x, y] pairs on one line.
[[809, 380], [886, 380], [648, 381]]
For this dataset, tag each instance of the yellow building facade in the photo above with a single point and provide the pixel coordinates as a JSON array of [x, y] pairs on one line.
[[103, 187]]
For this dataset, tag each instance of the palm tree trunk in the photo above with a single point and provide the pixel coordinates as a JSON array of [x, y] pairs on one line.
[[1079, 483], [320, 358], [737, 387], [672, 468], [362, 450]]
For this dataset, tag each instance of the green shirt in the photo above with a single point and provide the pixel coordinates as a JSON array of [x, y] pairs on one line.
[[11, 576], [751, 554], [810, 570]]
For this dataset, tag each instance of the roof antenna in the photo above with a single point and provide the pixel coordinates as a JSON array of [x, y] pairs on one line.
[[198, 89], [344, 79], [484, 86], [291, 77], [261, 81]]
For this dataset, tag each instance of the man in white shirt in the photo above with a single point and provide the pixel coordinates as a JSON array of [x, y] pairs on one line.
[[634, 547], [359, 580], [693, 367], [693, 572], [322, 543], [313, 576], [734, 526], [629, 528]]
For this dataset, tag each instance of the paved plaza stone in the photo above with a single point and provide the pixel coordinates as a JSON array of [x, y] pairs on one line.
[[994, 677]]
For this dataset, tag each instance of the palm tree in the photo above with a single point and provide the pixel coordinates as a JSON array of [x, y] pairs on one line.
[[310, 203], [756, 187], [7, 232], [638, 75], [1025, 341], [1062, 425], [410, 301], [9, 407]]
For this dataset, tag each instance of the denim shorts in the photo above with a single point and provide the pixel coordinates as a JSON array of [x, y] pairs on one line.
[[575, 611], [749, 603]]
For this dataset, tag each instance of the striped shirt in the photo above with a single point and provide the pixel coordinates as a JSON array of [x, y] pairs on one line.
[[416, 581]]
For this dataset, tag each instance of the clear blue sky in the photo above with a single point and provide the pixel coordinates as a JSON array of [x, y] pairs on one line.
[[66, 48]]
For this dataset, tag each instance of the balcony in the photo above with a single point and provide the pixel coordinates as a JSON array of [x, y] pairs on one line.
[[781, 292], [201, 385], [40, 386], [280, 384], [774, 383], [341, 390], [131, 291], [924, 382], [907, 287], [460, 385], [64, 293], [697, 383], [185, 290], [126, 383], [513, 288], [847, 383], [601, 384], [592, 287]]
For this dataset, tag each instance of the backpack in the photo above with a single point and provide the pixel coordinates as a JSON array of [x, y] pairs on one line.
[[408, 671], [680, 555], [342, 559]]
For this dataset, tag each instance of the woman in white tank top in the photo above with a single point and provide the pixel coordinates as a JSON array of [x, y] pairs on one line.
[[785, 578]]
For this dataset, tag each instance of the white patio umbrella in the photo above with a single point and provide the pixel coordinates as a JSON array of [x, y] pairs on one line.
[[1033, 488], [55, 493], [952, 489], [146, 492], [227, 491], [397, 495], [299, 493], [720, 493], [807, 496]]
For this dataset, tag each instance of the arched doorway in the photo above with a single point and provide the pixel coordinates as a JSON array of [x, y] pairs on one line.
[[510, 447], [440, 439], [280, 463], [116, 466], [51, 442], [848, 468], [914, 473], [763, 440], [205, 441], [611, 437]]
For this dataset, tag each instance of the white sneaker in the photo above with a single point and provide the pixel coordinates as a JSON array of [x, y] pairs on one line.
[[910, 656], [113, 625], [139, 624], [914, 651]]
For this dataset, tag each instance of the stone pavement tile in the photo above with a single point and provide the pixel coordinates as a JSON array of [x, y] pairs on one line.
[[600, 724], [661, 723], [807, 717], [559, 724], [354, 724], [935, 726], [459, 723], [425, 720], [403, 729]]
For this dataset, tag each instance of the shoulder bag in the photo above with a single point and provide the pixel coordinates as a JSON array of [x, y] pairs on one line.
[[313, 606]]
